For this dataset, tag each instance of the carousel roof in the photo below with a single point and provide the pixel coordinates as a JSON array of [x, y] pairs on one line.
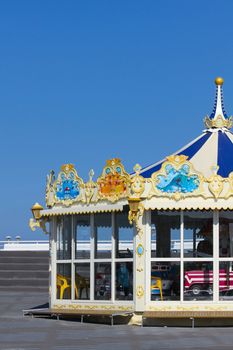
[[214, 147]]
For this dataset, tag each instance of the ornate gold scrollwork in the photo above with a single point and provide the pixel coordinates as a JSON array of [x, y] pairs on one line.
[[230, 189], [216, 182], [41, 223], [92, 307], [137, 182], [135, 212], [89, 188], [50, 192], [140, 292]]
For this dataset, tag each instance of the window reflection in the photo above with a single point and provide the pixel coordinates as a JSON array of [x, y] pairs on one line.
[[102, 281], [64, 233], [165, 281], [124, 281], [83, 234], [226, 280], [198, 280], [82, 281], [165, 234], [198, 234], [123, 236], [103, 235], [226, 234]]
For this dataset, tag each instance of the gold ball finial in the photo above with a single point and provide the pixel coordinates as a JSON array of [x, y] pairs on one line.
[[219, 81]]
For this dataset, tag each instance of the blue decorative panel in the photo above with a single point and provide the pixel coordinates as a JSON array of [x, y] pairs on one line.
[[67, 187], [177, 180]]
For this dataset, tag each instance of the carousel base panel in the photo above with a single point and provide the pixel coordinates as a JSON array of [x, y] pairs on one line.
[[188, 318], [96, 316]]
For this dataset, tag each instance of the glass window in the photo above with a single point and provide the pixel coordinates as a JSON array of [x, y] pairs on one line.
[[63, 281], [103, 281], [198, 280], [198, 234], [64, 234], [123, 235], [124, 281], [82, 281], [225, 234], [165, 234], [165, 280], [83, 234], [103, 235]]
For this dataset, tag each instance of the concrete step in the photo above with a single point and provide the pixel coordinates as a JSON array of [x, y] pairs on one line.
[[23, 274], [26, 289], [24, 266], [24, 270], [18, 253], [24, 259], [29, 282]]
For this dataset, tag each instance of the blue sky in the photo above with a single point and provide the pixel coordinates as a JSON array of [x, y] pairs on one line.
[[84, 81]]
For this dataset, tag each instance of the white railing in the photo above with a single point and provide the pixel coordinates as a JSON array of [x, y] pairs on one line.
[[24, 245], [85, 245]]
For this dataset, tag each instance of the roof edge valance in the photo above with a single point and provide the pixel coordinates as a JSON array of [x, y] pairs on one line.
[[187, 204], [83, 209]]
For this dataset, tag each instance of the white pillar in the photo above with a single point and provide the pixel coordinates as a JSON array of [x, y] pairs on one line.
[[140, 264]]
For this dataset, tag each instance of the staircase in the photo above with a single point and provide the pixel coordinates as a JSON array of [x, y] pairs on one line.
[[24, 271]]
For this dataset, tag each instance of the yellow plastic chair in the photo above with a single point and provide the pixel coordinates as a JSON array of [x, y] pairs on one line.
[[156, 282], [64, 283]]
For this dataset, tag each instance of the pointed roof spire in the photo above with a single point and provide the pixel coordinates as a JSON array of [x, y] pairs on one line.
[[218, 118]]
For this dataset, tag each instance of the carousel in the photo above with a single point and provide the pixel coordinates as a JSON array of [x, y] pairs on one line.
[[156, 243]]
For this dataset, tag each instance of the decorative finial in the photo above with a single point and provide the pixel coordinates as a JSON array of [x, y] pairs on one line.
[[91, 174], [218, 118], [219, 81], [137, 168]]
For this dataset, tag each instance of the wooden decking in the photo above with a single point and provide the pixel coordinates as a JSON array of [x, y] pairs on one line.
[[147, 317], [78, 313], [187, 318], [188, 314]]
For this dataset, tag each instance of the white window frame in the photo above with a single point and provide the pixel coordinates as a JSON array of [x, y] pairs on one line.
[[214, 260], [91, 260]]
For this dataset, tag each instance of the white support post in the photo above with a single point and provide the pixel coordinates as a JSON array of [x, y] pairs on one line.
[[92, 267], [139, 266], [113, 267], [147, 257], [53, 266], [182, 256], [216, 255], [72, 258]]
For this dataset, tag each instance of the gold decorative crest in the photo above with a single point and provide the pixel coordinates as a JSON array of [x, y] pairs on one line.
[[114, 183], [177, 179], [218, 122], [67, 188]]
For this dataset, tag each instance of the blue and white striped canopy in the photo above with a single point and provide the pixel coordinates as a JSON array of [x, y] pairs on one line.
[[213, 147]]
